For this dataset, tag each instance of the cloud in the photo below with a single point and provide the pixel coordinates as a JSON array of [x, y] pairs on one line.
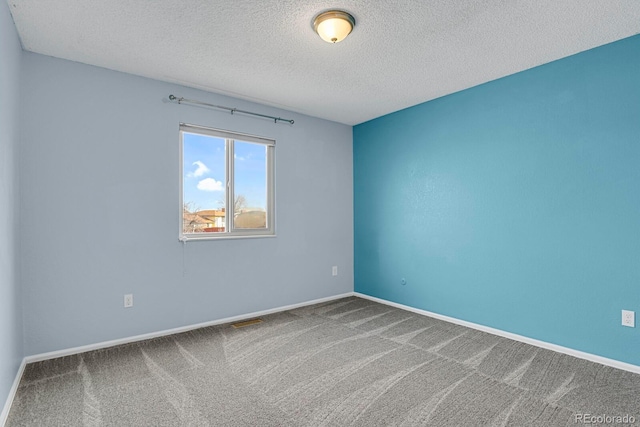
[[210, 184], [201, 170], [242, 159]]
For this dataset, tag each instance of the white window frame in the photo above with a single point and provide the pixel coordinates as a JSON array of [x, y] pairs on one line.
[[231, 232]]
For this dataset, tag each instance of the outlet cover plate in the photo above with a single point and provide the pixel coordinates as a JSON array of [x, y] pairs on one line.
[[629, 318], [128, 300]]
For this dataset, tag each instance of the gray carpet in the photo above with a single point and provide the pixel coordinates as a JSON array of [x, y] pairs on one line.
[[350, 362]]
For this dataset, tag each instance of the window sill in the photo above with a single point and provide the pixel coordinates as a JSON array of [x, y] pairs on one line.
[[185, 239]]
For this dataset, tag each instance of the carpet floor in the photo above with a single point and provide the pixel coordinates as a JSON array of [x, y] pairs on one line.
[[349, 362]]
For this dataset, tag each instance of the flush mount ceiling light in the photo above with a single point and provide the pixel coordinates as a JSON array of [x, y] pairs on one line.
[[333, 26]]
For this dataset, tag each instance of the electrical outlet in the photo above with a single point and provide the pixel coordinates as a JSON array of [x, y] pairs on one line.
[[128, 300], [334, 270], [629, 318]]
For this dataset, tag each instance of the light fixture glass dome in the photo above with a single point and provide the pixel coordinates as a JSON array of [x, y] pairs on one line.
[[333, 26]]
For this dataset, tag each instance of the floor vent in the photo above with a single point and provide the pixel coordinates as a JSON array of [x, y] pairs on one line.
[[246, 323]]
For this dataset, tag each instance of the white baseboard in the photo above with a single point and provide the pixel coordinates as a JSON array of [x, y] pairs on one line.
[[105, 344], [537, 343], [12, 394]]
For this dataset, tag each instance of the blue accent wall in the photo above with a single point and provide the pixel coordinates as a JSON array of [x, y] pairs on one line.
[[514, 204]]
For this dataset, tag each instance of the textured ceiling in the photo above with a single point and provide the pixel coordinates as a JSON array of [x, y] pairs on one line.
[[401, 53]]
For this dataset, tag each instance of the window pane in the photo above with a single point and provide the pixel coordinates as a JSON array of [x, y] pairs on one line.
[[203, 184], [250, 185], [227, 184]]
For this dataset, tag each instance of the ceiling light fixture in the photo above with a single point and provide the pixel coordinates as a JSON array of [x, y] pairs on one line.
[[333, 26]]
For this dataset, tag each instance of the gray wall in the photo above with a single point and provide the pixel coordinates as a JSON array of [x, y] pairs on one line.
[[10, 305], [99, 180]]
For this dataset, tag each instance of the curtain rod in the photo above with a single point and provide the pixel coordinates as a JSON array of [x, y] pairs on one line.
[[181, 100]]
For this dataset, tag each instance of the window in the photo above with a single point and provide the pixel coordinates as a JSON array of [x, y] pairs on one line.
[[227, 184]]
